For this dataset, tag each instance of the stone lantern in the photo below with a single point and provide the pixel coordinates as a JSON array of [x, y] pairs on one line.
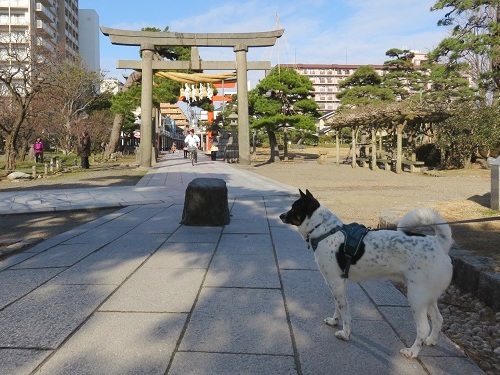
[[233, 122]]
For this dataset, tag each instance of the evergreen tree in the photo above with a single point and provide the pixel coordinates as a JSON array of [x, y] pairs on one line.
[[475, 39], [282, 100], [363, 87]]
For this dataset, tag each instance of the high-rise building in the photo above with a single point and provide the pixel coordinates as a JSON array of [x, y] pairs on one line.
[[28, 23], [88, 41]]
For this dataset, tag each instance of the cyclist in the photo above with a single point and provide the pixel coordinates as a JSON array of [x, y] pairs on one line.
[[192, 142]]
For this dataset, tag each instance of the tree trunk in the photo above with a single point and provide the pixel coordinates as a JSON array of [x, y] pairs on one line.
[[10, 154], [10, 142], [114, 138], [23, 149], [273, 144]]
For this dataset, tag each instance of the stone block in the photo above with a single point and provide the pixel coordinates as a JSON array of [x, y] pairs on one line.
[[205, 203]]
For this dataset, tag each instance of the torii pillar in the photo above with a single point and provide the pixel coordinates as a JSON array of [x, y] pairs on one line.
[[148, 40]]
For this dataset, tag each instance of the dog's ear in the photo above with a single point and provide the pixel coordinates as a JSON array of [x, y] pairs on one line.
[[302, 195], [308, 193]]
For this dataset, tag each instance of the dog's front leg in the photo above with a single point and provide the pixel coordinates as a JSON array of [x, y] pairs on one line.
[[339, 294]]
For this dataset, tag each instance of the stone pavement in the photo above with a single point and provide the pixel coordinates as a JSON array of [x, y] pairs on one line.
[[135, 292]]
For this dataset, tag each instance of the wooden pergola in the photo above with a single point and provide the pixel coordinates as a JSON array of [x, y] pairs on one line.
[[390, 117]]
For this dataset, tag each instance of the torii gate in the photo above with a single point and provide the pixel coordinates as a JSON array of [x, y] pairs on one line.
[[148, 40]]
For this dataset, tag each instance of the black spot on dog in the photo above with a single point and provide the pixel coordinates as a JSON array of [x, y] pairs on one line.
[[341, 257]]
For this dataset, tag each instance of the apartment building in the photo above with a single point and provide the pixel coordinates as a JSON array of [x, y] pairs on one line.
[[49, 23], [326, 78]]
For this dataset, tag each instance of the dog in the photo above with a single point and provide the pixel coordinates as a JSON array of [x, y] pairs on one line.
[[420, 261]]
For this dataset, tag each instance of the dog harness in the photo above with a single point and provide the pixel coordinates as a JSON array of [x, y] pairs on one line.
[[353, 237]]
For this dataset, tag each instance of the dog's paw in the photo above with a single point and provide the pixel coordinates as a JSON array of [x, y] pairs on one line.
[[431, 341], [408, 353], [332, 321], [342, 335]]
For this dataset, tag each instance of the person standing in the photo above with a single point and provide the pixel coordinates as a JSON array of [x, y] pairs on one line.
[[38, 148], [84, 149]]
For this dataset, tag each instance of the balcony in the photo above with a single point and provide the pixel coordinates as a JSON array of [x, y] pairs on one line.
[[14, 4], [40, 25], [45, 13]]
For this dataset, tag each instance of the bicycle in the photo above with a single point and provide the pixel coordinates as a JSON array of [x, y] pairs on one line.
[[193, 154]]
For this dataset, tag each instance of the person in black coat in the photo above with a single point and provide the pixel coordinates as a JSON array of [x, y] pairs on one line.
[[84, 149]]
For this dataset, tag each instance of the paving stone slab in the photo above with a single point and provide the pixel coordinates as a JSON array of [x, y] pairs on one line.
[[182, 255], [102, 235], [135, 243], [59, 256], [234, 320], [119, 344], [166, 221], [21, 361], [14, 259], [248, 209], [101, 267], [451, 365], [17, 283], [230, 364], [196, 234], [291, 249], [244, 260], [383, 292], [157, 290], [46, 316], [247, 226]]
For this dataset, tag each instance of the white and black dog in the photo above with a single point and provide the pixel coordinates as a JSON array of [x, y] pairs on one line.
[[354, 252]]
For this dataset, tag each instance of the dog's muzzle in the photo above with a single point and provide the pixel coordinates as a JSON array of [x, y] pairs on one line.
[[283, 218]]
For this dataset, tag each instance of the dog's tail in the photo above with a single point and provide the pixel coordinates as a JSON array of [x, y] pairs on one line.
[[427, 217]]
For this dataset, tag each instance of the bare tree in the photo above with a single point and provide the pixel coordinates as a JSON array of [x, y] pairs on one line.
[[71, 92], [21, 80]]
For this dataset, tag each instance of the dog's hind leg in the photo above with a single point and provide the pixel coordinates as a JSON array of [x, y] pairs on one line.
[[437, 323], [419, 309], [334, 320]]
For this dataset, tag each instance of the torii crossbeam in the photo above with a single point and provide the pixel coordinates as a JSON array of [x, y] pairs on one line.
[[148, 41]]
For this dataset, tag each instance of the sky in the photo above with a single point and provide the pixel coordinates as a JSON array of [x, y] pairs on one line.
[[316, 31]]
